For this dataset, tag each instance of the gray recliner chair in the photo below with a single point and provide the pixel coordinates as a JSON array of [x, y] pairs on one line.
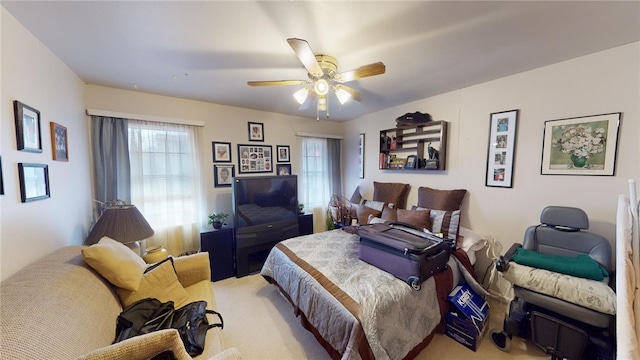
[[562, 328]]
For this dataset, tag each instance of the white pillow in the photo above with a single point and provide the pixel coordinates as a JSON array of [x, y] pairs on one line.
[[376, 205], [471, 242], [375, 220]]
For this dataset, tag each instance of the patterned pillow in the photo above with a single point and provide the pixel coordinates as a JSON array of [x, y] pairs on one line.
[[395, 193], [445, 222], [440, 199], [364, 212], [389, 214], [417, 218]]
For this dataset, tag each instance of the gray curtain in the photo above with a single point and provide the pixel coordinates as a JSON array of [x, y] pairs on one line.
[[335, 175], [110, 147]]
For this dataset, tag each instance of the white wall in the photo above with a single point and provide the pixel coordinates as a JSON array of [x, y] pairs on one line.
[[222, 123], [33, 75], [599, 83]]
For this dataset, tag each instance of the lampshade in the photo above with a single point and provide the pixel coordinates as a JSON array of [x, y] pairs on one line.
[[123, 223], [342, 95], [301, 95]]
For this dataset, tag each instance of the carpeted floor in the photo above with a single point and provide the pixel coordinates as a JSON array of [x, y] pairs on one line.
[[260, 323]]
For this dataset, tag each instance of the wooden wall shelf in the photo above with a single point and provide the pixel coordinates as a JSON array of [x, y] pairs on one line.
[[403, 142]]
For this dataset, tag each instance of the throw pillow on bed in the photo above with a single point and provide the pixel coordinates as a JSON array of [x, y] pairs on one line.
[[416, 217], [448, 200], [159, 282], [363, 213], [445, 222], [115, 262]]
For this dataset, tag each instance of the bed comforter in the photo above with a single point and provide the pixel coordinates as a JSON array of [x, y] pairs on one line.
[[356, 310]]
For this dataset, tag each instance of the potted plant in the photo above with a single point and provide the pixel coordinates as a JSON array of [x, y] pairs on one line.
[[217, 218]]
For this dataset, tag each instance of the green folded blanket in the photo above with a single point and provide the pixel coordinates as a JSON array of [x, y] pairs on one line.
[[581, 266]]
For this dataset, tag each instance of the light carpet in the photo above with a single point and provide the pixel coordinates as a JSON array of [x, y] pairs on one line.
[[260, 323]]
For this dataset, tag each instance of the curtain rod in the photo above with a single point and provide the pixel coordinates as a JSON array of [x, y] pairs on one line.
[[323, 136], [143, 117]]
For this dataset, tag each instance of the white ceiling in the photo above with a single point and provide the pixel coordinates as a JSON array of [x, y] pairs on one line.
[[208, 50]]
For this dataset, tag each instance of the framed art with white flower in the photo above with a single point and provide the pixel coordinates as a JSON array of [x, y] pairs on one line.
[[501, 149], [584, 145]]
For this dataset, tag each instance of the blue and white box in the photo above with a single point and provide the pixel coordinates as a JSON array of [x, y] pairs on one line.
[[468, 318]]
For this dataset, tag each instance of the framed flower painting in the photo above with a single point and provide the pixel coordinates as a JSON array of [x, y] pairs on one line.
[[581, 146]]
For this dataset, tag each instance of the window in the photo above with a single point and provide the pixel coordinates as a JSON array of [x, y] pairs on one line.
[[165, 181], [315, 190]]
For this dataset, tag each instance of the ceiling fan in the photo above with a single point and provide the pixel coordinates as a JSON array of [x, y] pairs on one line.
[[323, 77]]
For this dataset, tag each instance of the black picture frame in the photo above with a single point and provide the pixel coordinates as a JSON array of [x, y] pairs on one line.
[[28, 131], [59, 142], [283, 169], [255, 131], [284, 153], [501, 148], [411, 161], [1, 178], [221, 151], [255, 159], [223, 175], [34, 182]]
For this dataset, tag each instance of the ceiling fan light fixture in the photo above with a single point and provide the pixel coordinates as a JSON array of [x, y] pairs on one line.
[[322, 103], [321, 87], [301, 95], [342, 95]]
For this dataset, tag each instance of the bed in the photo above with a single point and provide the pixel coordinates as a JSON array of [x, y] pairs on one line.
[[355, 310]]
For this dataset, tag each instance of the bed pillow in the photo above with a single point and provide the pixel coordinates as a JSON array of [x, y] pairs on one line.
[[444, 222], [415, 217], [376, 205], [115, 262], [159, 282], [470, 241], [376, 220], [395, 193], [364, 212], [448, 200], [389, 214]]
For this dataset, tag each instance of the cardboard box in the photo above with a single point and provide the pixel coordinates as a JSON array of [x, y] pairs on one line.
[[468, 318]]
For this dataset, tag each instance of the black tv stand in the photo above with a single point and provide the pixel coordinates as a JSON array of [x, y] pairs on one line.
[[252, 249]]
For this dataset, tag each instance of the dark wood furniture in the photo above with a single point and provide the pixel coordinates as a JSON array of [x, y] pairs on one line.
[[305, 223], [411, 143], [219, 244]]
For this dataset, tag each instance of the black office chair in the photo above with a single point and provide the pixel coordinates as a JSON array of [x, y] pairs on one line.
[[562, 328]]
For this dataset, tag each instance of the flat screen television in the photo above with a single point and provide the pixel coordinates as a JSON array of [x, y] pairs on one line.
[[265, 211], [264, 202]]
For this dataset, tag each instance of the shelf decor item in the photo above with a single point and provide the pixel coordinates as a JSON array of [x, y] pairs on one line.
[[28, 133], [584, 145], [501, 149]]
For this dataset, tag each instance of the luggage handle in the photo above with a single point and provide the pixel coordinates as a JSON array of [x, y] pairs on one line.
[[411, 229]]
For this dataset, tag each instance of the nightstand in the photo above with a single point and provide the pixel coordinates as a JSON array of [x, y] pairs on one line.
[[305, 224], [219, 244]]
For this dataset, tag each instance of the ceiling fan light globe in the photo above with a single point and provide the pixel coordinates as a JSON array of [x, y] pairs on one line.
[[301, 95], [342, 95], [321, 87]]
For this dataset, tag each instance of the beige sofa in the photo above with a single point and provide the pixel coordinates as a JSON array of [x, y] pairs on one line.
[[60, 308]]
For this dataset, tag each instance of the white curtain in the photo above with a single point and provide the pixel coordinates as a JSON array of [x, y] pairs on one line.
[[321, 177], [165, 182]]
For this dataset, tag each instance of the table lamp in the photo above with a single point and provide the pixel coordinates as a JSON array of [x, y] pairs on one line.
[[123, 223]]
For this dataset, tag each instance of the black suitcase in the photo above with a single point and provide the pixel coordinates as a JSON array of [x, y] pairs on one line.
[[403, 251]]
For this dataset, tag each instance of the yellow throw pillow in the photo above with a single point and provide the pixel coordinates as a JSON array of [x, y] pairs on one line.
[[115, 262], [161, 283]]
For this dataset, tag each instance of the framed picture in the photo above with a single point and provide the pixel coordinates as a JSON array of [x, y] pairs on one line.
[[501, 149], [283, 153], [221, 151], [411, 162], [254, 159], [584, 145], [34, 181], [1, 178], [361, 157], [283, 169], [28, 133], [256, 131], [223, 175], [59, 144]]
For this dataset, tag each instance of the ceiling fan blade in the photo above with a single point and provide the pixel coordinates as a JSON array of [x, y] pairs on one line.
[[355, 94], [276, 82], [311, 99], [306, 56], [361, 72]]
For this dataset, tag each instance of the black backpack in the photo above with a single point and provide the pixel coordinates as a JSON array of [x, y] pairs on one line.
[[149, 315]]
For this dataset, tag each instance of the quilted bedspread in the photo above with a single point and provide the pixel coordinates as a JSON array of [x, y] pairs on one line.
[[357, 308]]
